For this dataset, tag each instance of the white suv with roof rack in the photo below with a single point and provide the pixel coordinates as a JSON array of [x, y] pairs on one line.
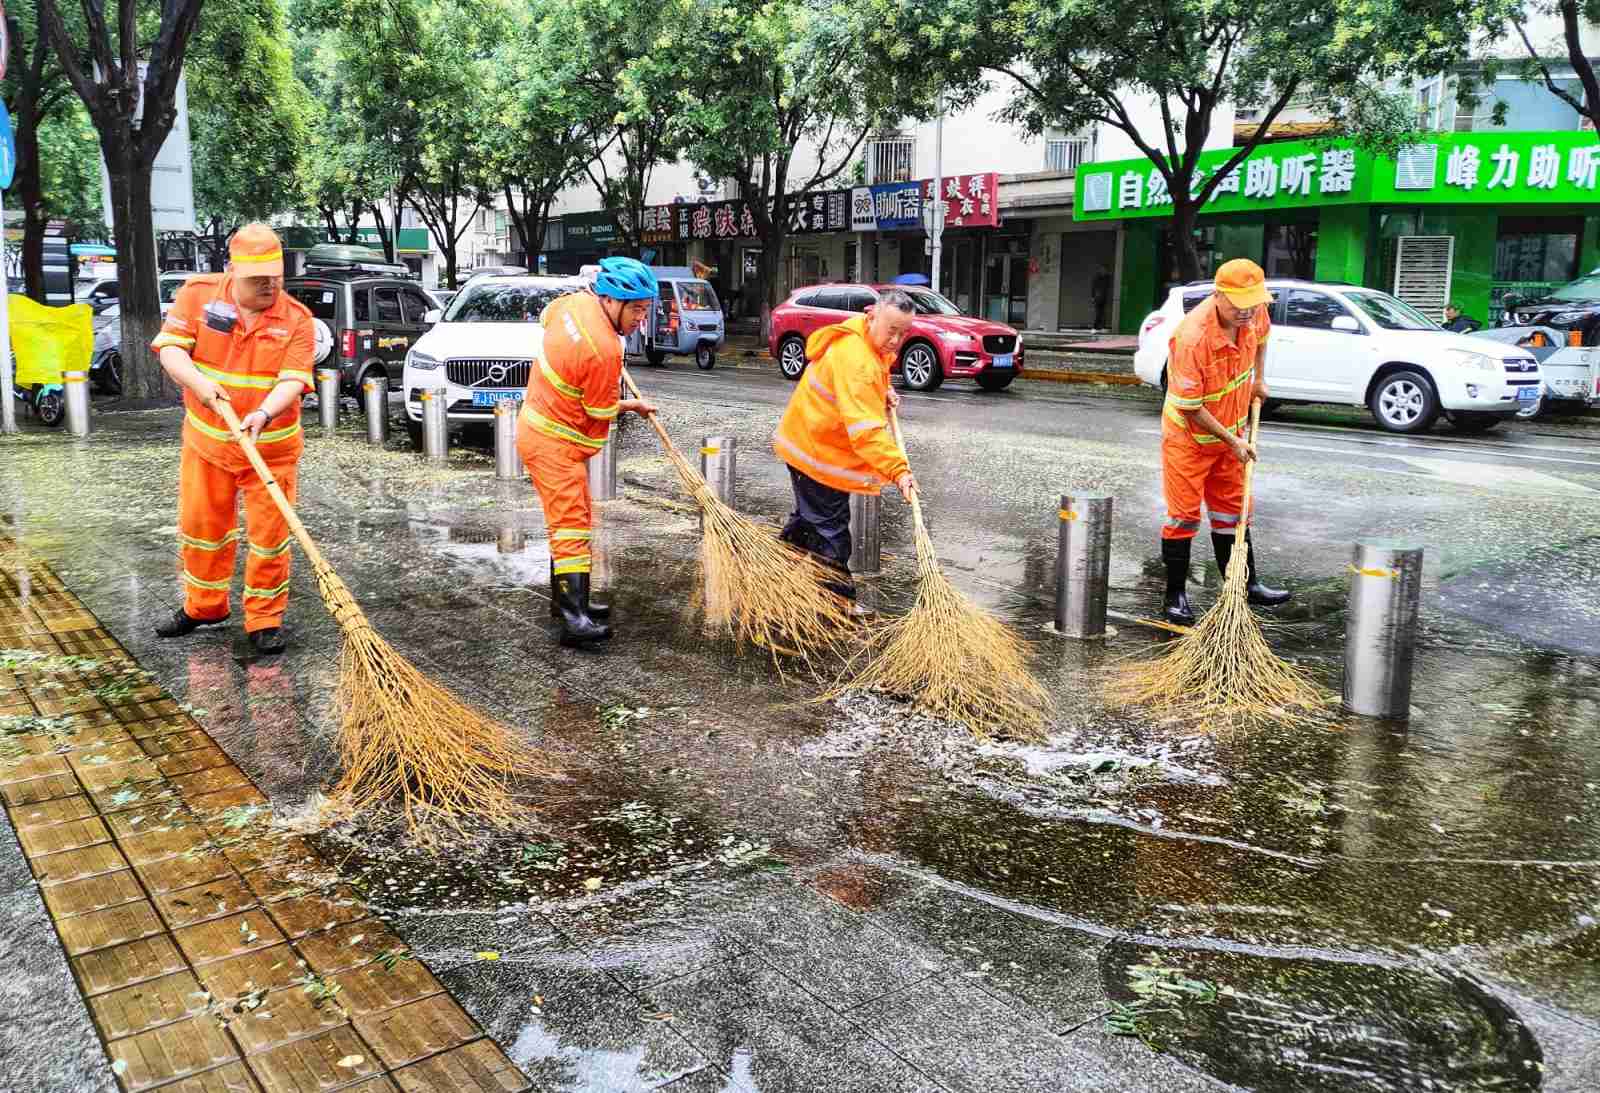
[[1356, 346], [480, 350]]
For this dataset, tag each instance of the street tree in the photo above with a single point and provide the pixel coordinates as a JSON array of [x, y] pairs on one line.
[[128, 81], [795, 91], [1075, 64], [1548, 30]]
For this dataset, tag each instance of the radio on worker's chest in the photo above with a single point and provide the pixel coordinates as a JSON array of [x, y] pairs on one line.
[[221, 316]]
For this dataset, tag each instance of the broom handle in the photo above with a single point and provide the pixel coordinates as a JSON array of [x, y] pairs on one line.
[[894, 424], [225, 410], [1249, 469]]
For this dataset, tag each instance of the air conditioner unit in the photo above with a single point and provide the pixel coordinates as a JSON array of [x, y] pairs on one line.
[[1422, 269]]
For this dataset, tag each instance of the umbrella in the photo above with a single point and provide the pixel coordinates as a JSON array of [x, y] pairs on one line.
[[911, 279]]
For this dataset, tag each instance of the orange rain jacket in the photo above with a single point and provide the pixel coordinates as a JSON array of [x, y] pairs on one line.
[[572, 391], [247, 364], [835, 429]]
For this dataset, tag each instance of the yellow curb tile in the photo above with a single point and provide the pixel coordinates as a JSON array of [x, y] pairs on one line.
[[164, 842], [224, 937], [146, 818], [36, 790], [102, 778], [188, 762], [145, 1006], [113, 969], [191, 786], [349, 946], [293, 850], [304, 915], [58, 838], [60, 811], [229, 1078], [478, 1067], [415, 1031], [265, 969], [312, 1065], [91, 861], [175, 743], [112, 926], [79, 897], [174, 1051], [283, 1016], [184, 871], [374, 988], [37, 766], [187, 906]]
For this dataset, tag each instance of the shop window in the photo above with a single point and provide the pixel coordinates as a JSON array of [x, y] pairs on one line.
[[1312, 309], [1291, 251]]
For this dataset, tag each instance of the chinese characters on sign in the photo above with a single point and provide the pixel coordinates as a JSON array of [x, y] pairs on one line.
[[1463, 168], [1259, 178], [970, 201]]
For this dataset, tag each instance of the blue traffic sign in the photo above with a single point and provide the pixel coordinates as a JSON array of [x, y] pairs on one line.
[[8, 148]]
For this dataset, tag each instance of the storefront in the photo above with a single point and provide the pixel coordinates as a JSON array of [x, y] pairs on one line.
[[1467, 217]]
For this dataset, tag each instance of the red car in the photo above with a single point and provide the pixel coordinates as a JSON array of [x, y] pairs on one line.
[[943, 343]]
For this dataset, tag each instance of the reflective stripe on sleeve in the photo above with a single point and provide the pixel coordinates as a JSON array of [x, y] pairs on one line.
[[818, 386], [602, 413], [558, 430], [553, 378], [863, 426], [164, 339], [305, 378]]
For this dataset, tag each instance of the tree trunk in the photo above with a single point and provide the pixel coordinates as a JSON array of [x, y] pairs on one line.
[[771, 262], [390, 243], [28, 187], [142, 377], [1184, 214]]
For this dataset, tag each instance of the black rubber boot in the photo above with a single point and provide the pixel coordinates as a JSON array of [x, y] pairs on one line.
[[1175, 607], [268, 642], [180, 624], [1260, 594], [597, 611], [578, 628]]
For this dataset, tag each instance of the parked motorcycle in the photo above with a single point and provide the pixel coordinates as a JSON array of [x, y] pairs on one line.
[[46, 401]]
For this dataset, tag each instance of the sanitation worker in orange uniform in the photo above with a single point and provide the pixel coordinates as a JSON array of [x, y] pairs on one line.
[[835, 433], [1215, 369], [237, 337], [566, 415]]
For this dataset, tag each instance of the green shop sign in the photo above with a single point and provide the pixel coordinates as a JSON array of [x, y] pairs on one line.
[[1558, 168]]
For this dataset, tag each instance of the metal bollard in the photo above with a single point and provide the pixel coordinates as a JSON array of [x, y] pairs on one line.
[[719, 465], [435, 426], [328, 399], [375, 398], [1380, 639], [603, 471], [1083, 565], [507, 463], [76, 388], [866, 534]]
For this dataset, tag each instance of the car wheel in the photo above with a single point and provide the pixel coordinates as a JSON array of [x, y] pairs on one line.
[[51, 408], [995, 381], [414, 433], [792, 357], [705, 358], [919, 364], [656, 357], [1405, 402], [1474, 423]]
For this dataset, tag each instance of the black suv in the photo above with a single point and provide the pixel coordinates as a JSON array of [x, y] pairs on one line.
[[375, 319], [1573, 309]]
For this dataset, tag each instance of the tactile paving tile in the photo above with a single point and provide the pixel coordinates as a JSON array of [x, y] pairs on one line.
[[79, 897], [309, 914], [168, 841], [184, 871], [190, 786], [147, 818], [175, 743], [312, 1064], [273, 851], [187, 906], [349, 946], [230, 1078], [415, 1031], [101, 752], [214, 809], [283, 1016], [188, 762], [37, 766], [125, 965], [61, 810], [173, 1051], [19, 794], [113, 775], [290, 880], [145, 1006], [91, 861], [121, 798], [225, 937], [478, 1067], [265, 969], [164, 709], [112, 926], [152, 728], [37, 842], [376, 987]]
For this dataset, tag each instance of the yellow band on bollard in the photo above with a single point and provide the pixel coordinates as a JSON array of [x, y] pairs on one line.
[[709, 451], [427, 396], [1068, 514], [1391, 574], [73, 379]]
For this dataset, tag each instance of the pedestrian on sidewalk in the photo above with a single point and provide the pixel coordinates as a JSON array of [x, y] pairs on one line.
[[237, 337], [835, 434], [1216, 367], [567, 411]]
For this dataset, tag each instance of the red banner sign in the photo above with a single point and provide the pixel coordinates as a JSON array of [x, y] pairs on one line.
[[970, 201]]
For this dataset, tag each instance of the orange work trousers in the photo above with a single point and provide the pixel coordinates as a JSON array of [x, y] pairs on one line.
[[208, 501], [560, 472], [1192, 473]]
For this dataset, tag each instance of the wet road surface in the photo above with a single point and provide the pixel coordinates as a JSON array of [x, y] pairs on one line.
[[738, 888]]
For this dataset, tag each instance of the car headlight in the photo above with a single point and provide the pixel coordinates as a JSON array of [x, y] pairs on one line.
[[954, 337], [1466, 358], [421, 360]]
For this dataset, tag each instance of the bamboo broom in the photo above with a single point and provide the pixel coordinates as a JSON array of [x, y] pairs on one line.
[[951, 658], [401, 735], [757, 588], [1221, 672]]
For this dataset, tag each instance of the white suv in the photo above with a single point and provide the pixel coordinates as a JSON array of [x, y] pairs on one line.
[[1361, 347], [480, 350]]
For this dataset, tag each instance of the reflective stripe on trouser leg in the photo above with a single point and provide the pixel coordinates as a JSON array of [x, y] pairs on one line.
[[1224, 495], [561, 475], [266, 566], [208, 534]]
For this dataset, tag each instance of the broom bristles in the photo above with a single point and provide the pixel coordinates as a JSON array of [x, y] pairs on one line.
[[953, 660], [1221, 673]]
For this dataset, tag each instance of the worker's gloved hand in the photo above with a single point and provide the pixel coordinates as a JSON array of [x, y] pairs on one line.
[[906, 484], [1242, 451]]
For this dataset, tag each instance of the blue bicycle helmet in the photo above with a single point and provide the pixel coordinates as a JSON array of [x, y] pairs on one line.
[[625, 279]]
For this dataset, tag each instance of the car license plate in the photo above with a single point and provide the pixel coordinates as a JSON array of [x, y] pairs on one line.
[[1003, 360], [1529, 393], [489, 398]]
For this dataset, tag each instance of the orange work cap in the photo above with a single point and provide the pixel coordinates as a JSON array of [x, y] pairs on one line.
[[256, 251], [1243, 283]]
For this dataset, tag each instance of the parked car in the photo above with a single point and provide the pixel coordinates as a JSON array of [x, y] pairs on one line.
[[372, 319], [1562, 330], [105, 366], [480, 351], [685, 321], [1356, 346], [103, 294], [943, 342]]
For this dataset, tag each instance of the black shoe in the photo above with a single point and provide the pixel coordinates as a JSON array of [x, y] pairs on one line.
[[597, 611], [1175, 605], [1259, 594], [180, 624], [578, 627], [268, 642]]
